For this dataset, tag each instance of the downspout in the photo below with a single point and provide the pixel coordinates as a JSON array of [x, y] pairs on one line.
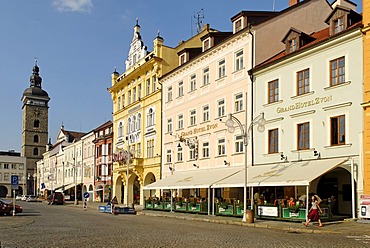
[[250, 73]]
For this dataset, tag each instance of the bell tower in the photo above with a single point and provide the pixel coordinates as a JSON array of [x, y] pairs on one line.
[[34, 125]]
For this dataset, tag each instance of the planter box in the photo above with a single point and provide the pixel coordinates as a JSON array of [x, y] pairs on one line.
[[181, 207], [195, 208], [226, 211], [288, 214], [158, 205], [149, 205], [167, 206]]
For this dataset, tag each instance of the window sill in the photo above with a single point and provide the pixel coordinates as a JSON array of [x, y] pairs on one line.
[[204, 85], [303, 95], [272, 103], [192, 91], [238, 70], [204, 122], [220, 78], [337, 146], [303, 150], [221, 156], [337, 86], [205, 158], [180, 97]]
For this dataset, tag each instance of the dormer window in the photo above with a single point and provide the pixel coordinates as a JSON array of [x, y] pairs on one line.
[[206, 44], [182, 59], [238, 25], [292, 45], [338, 25]]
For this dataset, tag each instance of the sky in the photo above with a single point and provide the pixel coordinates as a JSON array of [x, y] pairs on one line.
[[78, 43]]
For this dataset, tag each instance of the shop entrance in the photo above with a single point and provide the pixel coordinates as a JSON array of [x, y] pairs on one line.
[[3, 191]]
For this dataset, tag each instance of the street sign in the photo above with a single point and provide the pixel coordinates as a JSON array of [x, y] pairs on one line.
[[86, 195], [14, 181]]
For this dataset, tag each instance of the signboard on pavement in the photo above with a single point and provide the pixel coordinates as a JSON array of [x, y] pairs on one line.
[[364, 206], [14, 181]]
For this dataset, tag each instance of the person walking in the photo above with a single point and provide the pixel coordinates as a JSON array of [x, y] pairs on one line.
[[313, 213]]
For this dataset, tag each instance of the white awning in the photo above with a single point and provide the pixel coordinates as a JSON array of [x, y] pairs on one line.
[[193, 179], [299, 173]]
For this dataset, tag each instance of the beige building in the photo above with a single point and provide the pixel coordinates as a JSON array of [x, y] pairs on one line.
[[11, 163]]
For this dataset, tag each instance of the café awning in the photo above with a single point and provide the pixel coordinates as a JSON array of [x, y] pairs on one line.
[[299, 173], [200, 178]]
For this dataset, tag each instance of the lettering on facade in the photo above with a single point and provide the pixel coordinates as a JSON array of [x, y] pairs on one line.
[[134, 109], [305, 104], [199, 130]]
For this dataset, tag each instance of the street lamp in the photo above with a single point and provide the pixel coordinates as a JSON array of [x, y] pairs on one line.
[[261, 122]]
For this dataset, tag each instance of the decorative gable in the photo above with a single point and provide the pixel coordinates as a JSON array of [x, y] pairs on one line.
[[137, 49]]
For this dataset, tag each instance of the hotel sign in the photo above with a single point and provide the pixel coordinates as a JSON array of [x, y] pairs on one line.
[[305, 104], [199, 130]]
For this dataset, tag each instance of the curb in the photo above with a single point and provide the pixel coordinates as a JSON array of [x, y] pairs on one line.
[[239, 223]]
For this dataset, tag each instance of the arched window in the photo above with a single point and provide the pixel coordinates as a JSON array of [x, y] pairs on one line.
[[129, 126], [35, 151], [120, 129], [36, 139], [36, 123], [138, 122], [150, 121], [133, 128]]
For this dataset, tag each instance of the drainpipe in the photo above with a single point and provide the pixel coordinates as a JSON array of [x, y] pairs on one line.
[[250, 73]]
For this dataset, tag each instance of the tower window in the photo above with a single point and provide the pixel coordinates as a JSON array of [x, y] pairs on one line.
[[36, 139], [35, 151], [36, 123]]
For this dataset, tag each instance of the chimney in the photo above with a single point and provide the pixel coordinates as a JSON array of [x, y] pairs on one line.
[[293, 2]]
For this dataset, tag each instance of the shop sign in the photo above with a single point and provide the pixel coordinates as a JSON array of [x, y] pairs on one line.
[[364, 206], [305, 104], [199, 130], [268, 211]]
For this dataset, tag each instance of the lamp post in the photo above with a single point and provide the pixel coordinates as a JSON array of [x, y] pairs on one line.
[[260, 121]]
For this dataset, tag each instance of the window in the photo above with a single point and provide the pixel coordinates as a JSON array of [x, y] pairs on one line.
[[180, 121], [119, 103], [1, 176], [206, 76], [36, 139], [193, 117], [337, 125], [303, 82], [238, 25], [193, 82], [139, 91], [138, 122], [147, 86], [6, 176], [179, 154], [221, 150], [337, 71], [14, 166], [35, 151], [6, 166], [129, 97], [273, 91], [120, 129], [129, 126], [205, 113], [221, 69], [292, 45], [123, 101], [182, 59], [304, 136], [150, 148], [181, 88], [221, 108], [206, 44], [169, 93], [238, 102], [338, 25], [168, 156], [36, 123], [150, 117], [154, 83], [192, 154], [239, 144], [134, 94], [169, 125], [239, 64], [138, 151], [205, 150], [21, 166], [273, 136]]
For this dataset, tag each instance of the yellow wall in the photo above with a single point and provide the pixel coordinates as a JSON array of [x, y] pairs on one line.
[[366, 30]]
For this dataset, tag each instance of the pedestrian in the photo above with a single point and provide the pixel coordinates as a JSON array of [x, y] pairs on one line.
[[113, 203], [313, 213]]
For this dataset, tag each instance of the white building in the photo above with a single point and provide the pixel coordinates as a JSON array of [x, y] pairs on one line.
[[311, 95], [11, 163]]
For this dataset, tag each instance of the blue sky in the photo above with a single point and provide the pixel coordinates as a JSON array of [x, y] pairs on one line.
[[78, 44]]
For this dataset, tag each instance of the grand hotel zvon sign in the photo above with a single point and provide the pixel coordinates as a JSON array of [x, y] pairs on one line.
[[305, 104]]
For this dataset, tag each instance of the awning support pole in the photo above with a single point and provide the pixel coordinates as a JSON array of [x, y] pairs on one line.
[[213, 201], [353, 189], [307, 196], [209, 201], [171, 190], [252, 198]]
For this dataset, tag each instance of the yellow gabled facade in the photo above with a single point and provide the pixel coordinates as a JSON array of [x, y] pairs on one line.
[[366, 104], [137, 119]]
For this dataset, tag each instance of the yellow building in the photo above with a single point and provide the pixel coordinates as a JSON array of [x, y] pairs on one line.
[[366, 105], [137, 120]]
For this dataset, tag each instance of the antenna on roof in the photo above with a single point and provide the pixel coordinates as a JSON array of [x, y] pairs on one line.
[[273, 5], [199, 16]]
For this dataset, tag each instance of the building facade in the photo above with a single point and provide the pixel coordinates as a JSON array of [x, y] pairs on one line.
[[35, 124], [11, 163], [137, 118], [313, 124], [366, 104]]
